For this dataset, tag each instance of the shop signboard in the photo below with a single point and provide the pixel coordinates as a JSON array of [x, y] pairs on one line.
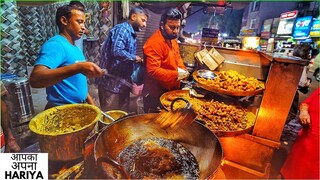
[[302, 27], [211, 33], [265, 35], [315, 29], [250, 42], [248, 32], [266, 28], [209, 36], [275, 25], [286, 23], [263, 44]]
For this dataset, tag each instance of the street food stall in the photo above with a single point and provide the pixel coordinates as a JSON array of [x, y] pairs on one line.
[[233, 153], [249, 155], [245, 153]]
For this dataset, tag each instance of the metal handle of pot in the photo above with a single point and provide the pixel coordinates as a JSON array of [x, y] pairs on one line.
[[113, 163], [179, 117], [187, 106]]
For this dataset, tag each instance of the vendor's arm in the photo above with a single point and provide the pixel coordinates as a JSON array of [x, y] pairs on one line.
[[42, 76], [304, 115], [51, 67], [309, 104], [90, 100]]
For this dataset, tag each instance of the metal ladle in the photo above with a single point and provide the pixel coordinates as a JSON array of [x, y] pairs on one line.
[[108, 116]]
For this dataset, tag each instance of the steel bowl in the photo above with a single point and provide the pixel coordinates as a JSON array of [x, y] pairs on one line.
[[206, 74], [115, 114]]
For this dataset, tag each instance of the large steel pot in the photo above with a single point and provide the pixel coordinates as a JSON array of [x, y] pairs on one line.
[[201, 142], [53, 139]]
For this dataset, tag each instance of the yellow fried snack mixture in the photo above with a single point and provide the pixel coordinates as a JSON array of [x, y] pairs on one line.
[[232, 81]]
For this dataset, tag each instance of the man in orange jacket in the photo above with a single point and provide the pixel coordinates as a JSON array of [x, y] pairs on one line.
[[164, 65]]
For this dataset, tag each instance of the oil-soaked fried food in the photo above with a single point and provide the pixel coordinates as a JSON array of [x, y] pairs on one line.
[[173, 96], [217, 116], [232, 81], [222, 117]]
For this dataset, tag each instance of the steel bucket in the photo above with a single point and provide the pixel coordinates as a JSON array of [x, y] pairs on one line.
[[62, 130], [20, 93]]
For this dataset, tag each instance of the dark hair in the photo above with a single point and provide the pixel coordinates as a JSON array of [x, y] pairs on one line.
[[172, 14], [137, 10], [65, 11], [77, 4], [302, 51]]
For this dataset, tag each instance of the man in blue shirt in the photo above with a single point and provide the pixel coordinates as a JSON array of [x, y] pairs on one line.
[[119, 59], [61, 66]]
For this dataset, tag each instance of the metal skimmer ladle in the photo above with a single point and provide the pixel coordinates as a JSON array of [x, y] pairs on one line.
[[176, 118]]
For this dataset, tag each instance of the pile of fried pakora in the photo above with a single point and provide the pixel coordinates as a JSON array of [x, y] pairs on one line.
[[217, 116], [232, 81]]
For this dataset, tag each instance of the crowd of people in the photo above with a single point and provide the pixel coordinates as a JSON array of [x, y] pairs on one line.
[[62, 69]]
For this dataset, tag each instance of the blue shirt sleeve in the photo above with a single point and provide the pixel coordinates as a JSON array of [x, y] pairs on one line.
[[119, 35], [51, 55]]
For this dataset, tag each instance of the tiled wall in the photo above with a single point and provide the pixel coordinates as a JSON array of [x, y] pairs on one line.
[[98, 28], [12, 53], [26, 28], [37, 25]]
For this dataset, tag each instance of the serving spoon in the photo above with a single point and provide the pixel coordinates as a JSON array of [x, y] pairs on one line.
[[108, 116]]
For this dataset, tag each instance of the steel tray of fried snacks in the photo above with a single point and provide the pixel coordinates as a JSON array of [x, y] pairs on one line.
[[206, 114], [223, 84], [228, 133]]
